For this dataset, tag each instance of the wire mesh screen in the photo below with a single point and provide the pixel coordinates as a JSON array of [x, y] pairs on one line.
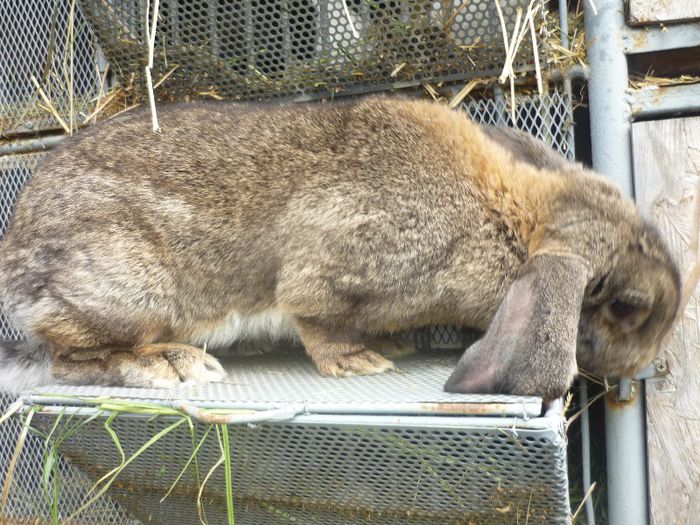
[[31, 488], [15, 171], [549, 118], [50, 41], [326, 473], [262, 49]]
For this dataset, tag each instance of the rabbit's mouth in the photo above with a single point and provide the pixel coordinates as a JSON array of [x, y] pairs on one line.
[[612, 360]]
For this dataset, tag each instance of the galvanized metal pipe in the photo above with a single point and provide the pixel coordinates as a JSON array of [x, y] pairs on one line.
[[607, 92], [586, 449], [612, 156], [551, 423], [626, 460], [18, 146]]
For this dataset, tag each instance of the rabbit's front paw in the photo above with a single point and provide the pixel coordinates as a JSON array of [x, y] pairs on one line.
[[362, 363]]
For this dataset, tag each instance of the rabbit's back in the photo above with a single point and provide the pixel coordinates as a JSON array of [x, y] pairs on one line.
[[372, 213]]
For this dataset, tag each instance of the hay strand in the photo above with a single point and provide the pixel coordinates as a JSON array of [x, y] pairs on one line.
[[165, 77], [151, 39], [583, 502], [49, 105], [347, 15], [15, 458], [536, 56], [464, 92]]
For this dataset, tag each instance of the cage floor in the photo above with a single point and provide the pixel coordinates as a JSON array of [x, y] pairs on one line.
[[286, 376], [387, 449]]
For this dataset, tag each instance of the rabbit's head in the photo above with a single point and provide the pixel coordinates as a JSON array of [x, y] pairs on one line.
[[598, 291], [632, 286]]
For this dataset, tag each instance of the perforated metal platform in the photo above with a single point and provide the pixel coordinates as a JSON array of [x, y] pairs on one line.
[[288, 378], [263, 49], [359, 452]]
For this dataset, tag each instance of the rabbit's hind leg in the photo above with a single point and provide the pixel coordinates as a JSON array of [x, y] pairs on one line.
[[340, 352], [158, 365], [89, 347]]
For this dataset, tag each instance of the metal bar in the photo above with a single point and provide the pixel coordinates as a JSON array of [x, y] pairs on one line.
[[658, 101], [607, 88], [564, 23], [552, 422], [626, 460], [30, 145], [586, 449], [653, 38], [526, 409], [612, 156], [564, 40]]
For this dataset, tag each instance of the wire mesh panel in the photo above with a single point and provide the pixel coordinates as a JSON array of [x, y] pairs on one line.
[[15, 170], [31, 488], [262, 49], [418, 470], [549, 118], [50, 41]]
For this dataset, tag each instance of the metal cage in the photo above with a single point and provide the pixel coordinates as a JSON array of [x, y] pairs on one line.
[[390, 450], [387, 449]]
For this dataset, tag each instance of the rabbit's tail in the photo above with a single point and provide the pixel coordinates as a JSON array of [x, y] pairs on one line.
[[24, 365]]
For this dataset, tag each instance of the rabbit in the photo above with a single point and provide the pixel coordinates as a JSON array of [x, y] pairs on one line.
[[339, 224], [612, 312]]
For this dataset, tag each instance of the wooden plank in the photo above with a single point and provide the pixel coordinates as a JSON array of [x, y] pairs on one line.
[[667, 185], [645, 12]]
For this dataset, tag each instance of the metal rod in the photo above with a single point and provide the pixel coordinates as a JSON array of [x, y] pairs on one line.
[[564, 23], [586, 449], [626, 460], [612, 156], [607, 92], [564, 40], [30, 145], [552, 423], [524, 409]]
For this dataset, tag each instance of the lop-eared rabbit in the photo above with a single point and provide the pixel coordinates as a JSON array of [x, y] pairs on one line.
[[340, 224]]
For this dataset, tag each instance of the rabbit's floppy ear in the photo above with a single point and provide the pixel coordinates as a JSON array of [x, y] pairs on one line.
[[530, 346]]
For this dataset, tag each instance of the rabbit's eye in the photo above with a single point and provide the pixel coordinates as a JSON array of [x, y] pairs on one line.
[[622, 310]]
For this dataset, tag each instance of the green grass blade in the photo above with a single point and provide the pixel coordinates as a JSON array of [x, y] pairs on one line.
[[15, 457], [226, 450], [108, 483], [118, 444], [189, 461]]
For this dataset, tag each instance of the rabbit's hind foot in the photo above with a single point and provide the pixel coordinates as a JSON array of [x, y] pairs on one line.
[[159, 365]]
